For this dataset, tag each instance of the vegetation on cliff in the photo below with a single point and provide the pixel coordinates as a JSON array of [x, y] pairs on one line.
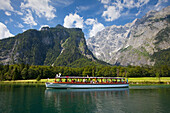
[[57, 46]]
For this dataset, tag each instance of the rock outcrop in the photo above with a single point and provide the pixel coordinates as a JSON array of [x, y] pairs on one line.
[[57, 46], [133, 43]]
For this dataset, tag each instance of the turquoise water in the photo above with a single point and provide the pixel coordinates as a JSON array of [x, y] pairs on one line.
[[38, 99]]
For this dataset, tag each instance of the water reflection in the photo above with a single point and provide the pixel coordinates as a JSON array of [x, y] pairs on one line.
[[87, 90], [38, 99], [92, 100]]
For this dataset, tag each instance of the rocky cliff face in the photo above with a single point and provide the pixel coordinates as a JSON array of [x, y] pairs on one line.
[[109, 41], [133, 43], [50, 46]]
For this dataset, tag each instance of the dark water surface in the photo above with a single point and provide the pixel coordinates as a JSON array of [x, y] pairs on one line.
[[38, 99]]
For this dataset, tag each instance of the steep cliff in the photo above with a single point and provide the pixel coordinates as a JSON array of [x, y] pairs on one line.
[[134, 43], [50, 46]]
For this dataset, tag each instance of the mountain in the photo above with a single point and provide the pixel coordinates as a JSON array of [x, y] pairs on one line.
[[57, 46], [136, 43]]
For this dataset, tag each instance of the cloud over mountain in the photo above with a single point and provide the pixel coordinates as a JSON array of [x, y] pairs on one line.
[[4, 32], [96, 26], [31, 14], [73, 20], [40, 7]]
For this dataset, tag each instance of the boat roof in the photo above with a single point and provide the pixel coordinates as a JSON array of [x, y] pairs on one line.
[[71, 77]]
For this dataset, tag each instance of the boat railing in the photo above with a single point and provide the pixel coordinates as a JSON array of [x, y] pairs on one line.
[[90, 80], [93, 82]]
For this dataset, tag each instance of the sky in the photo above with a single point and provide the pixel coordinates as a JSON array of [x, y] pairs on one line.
[[92, 16]]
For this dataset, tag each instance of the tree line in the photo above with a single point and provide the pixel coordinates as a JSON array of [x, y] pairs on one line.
[[25, 71]]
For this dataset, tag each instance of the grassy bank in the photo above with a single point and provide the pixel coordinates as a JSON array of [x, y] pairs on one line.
[[139, 80], [149, 80]]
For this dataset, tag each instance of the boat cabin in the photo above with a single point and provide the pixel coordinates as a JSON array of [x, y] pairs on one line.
[[90, 80]]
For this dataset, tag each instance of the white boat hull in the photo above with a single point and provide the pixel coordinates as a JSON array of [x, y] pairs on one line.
[[86, 86]]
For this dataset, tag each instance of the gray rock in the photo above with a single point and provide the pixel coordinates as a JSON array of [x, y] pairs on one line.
[[133, 43]]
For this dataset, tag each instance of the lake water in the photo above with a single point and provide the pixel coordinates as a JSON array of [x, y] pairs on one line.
[[38, 99]]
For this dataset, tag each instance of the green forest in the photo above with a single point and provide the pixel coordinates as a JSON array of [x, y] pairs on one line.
[[25, 71]]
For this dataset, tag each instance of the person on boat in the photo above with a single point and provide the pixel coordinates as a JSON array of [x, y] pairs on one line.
[[91, 81], [60, 80], [113, 80], [107, 81]]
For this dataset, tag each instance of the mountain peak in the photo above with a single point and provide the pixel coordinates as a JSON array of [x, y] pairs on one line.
[[59, 46], [45, 28], [59, 26], [133, 43]]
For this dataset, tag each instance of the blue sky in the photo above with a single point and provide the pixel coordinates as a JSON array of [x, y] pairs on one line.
[[92, 16]]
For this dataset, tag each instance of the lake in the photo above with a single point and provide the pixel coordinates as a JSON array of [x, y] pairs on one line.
[[38, 99]]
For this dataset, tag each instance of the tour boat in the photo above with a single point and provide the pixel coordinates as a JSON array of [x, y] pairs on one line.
[[87, 82]]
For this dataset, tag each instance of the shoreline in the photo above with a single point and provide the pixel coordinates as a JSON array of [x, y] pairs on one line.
[[131, 81], [149, 83]]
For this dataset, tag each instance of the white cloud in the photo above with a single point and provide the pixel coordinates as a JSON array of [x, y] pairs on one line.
[[6, 5], [115, 9], [129, 3], [20, 25], [43, 26], [90, 21], [111, 14], [19, 13], [7, 13], [138, 13], [105, 1], [73, 20], [40, 7], [82, 8], [8, 21], [158, 6], [28, 19], [4, 32], [63, 3], [23, 30], [96, 26]]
